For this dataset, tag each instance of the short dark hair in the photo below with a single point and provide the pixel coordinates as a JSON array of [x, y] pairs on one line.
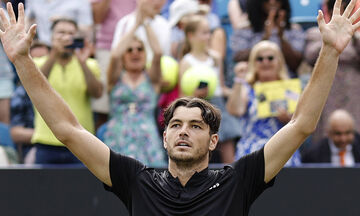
[[63, 19], [210, 114]]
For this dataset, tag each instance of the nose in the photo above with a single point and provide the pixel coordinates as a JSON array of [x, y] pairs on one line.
[[184, 131]]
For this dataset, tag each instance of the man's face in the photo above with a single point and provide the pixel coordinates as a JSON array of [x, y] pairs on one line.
[[341, 133], [186, 138], [63, 34]]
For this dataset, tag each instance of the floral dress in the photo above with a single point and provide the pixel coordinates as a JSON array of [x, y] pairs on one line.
[[132, 129], [257, 132]]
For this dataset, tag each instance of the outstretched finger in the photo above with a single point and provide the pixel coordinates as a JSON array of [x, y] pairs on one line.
[[337, 6], [31, 33], [355, 16], [21, 14], [356, 26], [4, 20], [349, 8], [320, 19], [11, 13]]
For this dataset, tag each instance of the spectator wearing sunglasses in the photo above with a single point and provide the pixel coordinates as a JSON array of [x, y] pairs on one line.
[[133, 92], [266, 63]]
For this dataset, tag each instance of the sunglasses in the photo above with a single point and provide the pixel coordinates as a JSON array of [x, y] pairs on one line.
[[131, 49], [269, 58]]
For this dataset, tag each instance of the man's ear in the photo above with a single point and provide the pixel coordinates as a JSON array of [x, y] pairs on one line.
[[164, 140], [214, 138]]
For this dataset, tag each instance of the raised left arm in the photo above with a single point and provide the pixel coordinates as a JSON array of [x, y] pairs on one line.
[[335, 36]]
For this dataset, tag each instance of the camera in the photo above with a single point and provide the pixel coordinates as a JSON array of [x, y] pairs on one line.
[[77, 43]]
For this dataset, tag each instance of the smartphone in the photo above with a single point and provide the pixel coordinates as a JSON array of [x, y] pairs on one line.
[[202, 84], [77, 43]]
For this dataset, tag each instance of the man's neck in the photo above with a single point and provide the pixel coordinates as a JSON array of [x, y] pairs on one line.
[[185, 171]]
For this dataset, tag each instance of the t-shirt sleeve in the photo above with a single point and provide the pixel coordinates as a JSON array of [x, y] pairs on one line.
[[123, 173], [251, 172]]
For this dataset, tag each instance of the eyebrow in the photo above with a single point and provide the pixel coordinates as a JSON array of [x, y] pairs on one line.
[[191, 121]]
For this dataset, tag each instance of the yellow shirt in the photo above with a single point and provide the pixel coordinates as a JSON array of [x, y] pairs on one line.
[[69, 82]]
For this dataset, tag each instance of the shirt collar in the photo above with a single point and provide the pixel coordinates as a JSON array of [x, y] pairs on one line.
[[196, 179], [336, 150]]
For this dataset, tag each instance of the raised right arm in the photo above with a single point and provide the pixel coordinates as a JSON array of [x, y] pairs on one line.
[[56, 113]]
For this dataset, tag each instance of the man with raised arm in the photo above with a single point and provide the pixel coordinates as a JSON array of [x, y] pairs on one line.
[[187, 187]]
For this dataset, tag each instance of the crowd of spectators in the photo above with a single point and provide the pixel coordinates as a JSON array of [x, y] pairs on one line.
[[105, 59]]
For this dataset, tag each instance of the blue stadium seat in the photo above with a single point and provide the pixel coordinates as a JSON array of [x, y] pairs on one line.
[[304, 10]]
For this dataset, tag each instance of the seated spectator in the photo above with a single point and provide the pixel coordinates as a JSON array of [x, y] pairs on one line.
[[344, 92], [266, 63], [158, 23], [74, 76], [197, 53], [134, 90], [44, 12], [341, 147], [106, 14], [270, 20]]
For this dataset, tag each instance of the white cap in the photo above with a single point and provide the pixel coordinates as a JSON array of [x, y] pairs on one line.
[[180, 8]]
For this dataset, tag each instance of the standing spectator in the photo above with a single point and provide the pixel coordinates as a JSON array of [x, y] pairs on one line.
[[106, 14], [197, 53], [134, 90], [345, 93], [266, 63], [270, 20], [341, 147], [74, 77], [44, 12], [159, 24]]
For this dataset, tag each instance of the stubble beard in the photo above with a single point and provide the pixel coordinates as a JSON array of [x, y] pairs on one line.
[[186, 160]]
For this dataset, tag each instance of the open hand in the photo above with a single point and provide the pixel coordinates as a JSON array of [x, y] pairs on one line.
[[16, 41], [339, 31]]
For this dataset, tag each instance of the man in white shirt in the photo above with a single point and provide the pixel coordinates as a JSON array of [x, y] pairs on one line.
[[158, 23], [341, 147]]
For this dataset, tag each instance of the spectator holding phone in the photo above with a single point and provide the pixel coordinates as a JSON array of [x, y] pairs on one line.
[[196, 52], [75, 77]]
